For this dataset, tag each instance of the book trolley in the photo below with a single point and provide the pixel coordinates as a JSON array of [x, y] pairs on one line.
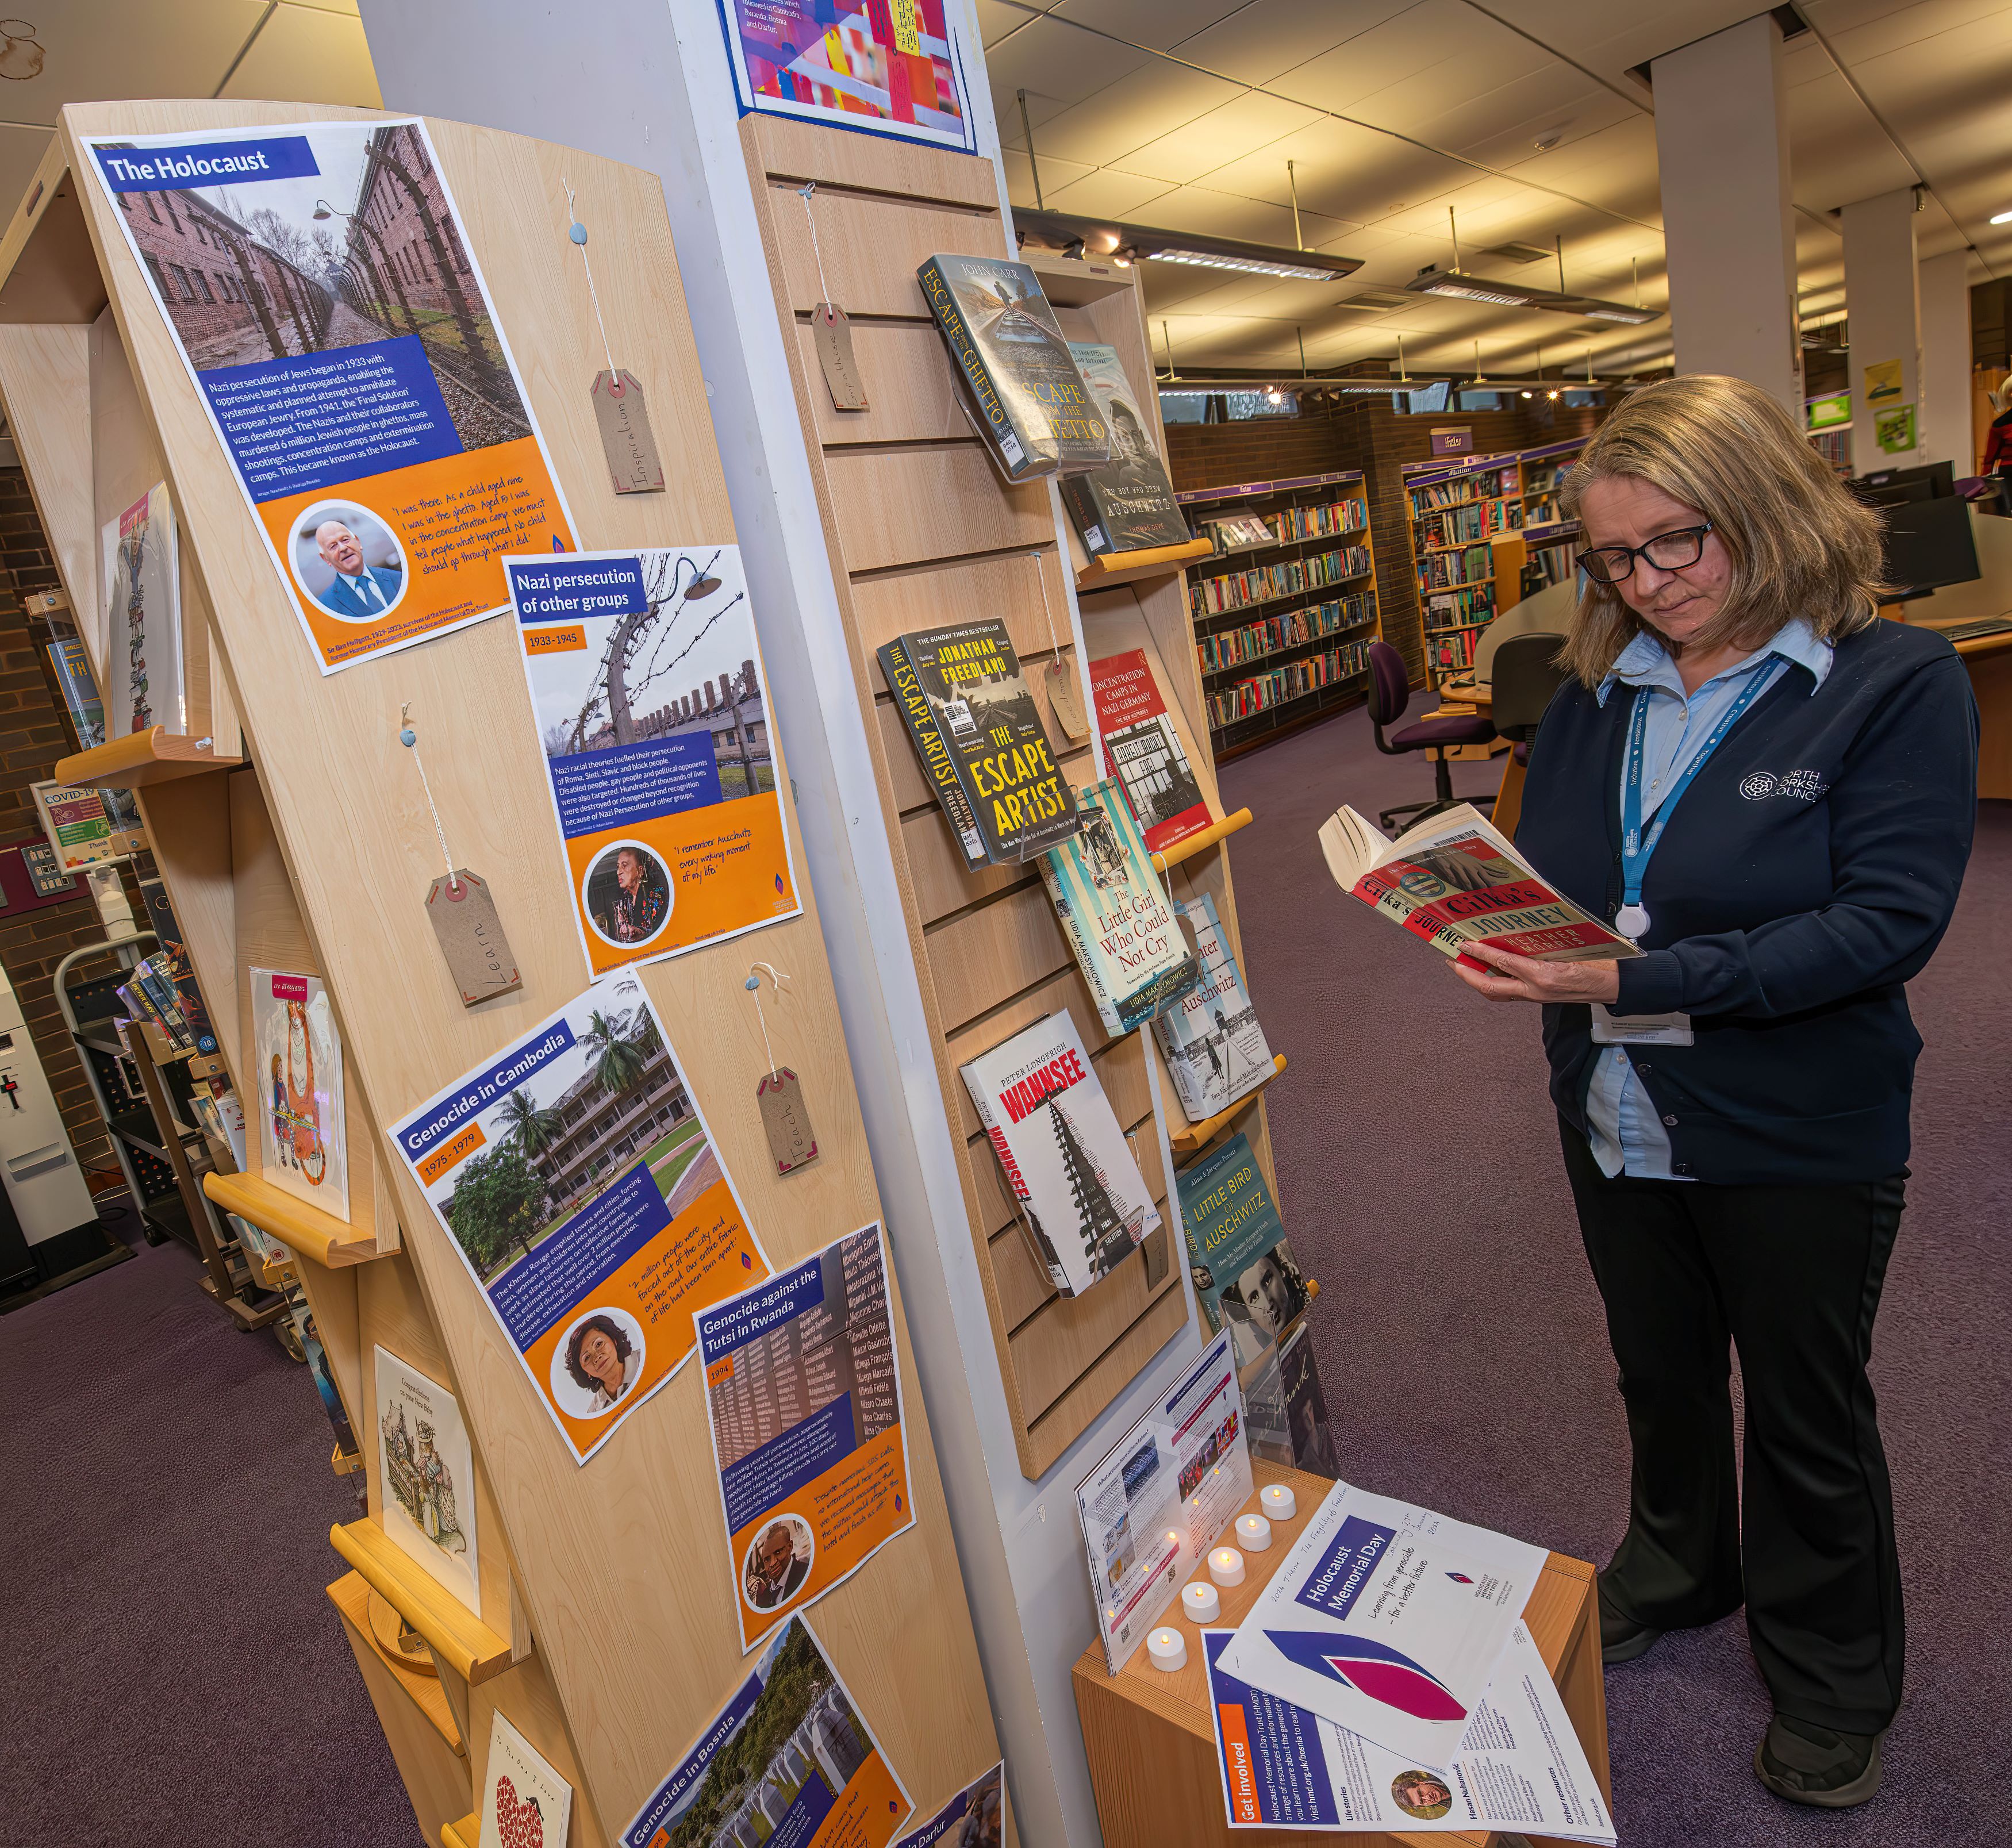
[[291, 833]]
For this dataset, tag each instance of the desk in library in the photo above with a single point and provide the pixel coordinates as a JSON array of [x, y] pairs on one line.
[[1508, 807], [1152, 1742], [1989, 659]]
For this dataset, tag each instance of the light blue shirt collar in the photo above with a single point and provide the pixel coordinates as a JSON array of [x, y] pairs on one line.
[[1646, 662]]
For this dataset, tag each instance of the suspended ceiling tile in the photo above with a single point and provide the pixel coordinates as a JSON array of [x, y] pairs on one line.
[[1504, 126], [1160, 23], [1839, 154], [107, 51], [1055, 174], [1268, 38], [1106, 192], [303, 55], [997, 20], [347, 6], [1247, 126], [1058, 67], [1151, 102], [1859, 33], [1429, 58], [1610, 40]]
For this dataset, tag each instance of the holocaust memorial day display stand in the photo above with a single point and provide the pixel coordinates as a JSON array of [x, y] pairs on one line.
[[294, 835]]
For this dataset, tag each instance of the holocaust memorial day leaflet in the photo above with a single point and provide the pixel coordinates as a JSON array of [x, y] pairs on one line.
[[803, 1398], [1213, 1045], [1454, 880], [580, 1184], [296, 1069], [318, 285], [525, 1803], [1245, 1275], [426, 1477], [1388, 1620], [976, 1817], [1142, 750], [788, 1759], [1156, 1501], [1520, 1766], [1129, 503], [1082, 1200], [653, 717], [142, 633]]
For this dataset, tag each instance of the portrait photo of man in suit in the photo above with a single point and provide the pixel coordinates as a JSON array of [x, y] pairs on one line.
[[357, 590]]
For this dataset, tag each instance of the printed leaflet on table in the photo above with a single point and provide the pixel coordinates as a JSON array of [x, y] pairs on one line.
[[1520, 1765], [820, 1780], [143, 620], [580, 1184], [805, 1401], [1157, 1501], [296, 1065], [426, 1476], [385, 442], [75, 824], [976, 1817], [526, 1804], [1388, 1620], [1142, 750], [1214, 1046], [653, 718], [1244, 1271]]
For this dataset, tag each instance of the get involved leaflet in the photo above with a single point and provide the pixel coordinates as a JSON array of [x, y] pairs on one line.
[[1454, 880], [1388, 1620]]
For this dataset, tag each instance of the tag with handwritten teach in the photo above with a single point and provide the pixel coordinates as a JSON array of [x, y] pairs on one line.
[[792, 1141]]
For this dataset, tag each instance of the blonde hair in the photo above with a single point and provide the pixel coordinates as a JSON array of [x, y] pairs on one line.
[[1800, 542]]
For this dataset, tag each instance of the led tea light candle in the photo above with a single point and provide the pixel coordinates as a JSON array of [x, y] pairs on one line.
[[1168, 1649], [1225, 1566], [1254, 1533], [1199, 1603], [1277, 1501]]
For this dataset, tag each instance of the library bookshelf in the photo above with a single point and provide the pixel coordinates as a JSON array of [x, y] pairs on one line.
[[1283, 624]]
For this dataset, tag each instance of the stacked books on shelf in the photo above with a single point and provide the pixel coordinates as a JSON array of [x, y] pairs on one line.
[[1291, 680], [1460, 525], [1214, 1046], [1238, 531], [1470, 565], [1020, 384], [1480, 485], [1450, 650], [1319, 523], [151, 993], [1128, 505], [1263, 583], [1233, 648]]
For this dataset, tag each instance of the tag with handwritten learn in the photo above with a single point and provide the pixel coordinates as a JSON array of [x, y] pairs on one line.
[[792, 1141], [462, 912], [831, 334], [623, 420]]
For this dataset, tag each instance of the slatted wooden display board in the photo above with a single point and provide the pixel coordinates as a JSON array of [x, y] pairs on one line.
[[926, 533], [607, 1629]]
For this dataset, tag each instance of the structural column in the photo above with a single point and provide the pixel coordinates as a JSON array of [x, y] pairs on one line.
[[1947, 434], [1722, 148], [1884, 297]]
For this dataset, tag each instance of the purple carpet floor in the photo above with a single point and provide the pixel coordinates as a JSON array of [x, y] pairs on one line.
[[175, 1672], [1461, 1340]]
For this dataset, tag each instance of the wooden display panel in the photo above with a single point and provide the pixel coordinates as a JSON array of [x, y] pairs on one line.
[[607, 1586]]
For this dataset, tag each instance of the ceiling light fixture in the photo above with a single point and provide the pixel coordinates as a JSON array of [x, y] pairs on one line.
[[1432, 281], [2002, 217], [1057, 230]]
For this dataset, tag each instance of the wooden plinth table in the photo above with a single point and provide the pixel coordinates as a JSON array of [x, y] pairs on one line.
[[1152, 1743]]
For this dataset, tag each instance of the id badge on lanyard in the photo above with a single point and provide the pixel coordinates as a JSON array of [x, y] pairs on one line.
[[1640, 1029]]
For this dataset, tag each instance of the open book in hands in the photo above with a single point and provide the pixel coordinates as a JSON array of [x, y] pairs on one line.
[[1454, 880]]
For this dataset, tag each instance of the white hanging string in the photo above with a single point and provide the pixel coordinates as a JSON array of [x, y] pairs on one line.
[[1041, 578], [753, 985], [803, 192], [578, 233], [410, 739]]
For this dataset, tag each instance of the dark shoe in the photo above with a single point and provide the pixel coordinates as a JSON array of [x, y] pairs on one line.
[[1621, 1639], [1809, 1763]]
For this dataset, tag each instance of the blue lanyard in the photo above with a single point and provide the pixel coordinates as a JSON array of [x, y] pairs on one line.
[[1635, 846]]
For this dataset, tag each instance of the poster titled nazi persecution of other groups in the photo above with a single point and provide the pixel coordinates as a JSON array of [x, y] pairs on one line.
[[653, 716], [804, 1398], [319, 286], [581, 1187]]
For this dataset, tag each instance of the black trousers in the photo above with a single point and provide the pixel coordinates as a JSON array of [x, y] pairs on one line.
[[1793, 1276]]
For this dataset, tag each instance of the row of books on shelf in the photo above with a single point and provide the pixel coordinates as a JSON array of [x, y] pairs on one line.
[[161, 990], [1457, 609], [1241, 532], [1459, 526], [1470, 565], [1482, 485], [1450, 650], [1238, 590], [1291, 680], [1232, 648]]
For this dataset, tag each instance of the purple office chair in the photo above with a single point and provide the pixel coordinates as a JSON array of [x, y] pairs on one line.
[[1390, 693]]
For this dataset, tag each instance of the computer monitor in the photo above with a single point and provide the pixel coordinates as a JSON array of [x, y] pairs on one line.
[[1893, 494], [1928, 544], [1940, 476], [1428, 400]]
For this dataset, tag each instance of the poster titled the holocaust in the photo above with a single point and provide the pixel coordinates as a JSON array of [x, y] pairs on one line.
[[319, 286]]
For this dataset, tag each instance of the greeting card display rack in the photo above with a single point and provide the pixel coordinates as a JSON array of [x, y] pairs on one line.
[[605, 1626]]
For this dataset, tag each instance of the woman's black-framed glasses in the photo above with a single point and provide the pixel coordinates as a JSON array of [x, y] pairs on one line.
[[1667, 551]]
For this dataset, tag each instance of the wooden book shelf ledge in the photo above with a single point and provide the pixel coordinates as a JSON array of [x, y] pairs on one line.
[[1156, 561], [351, 1595], [155, 755], [1199, 1135], [458, 1640], [1201, 842], [330, 1242], [466, 1833]]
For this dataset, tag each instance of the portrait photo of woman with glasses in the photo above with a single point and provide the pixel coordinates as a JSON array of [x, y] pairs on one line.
[[1770, 789]]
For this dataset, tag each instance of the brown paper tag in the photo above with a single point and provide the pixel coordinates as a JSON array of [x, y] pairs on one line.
[[792, 1141], [1152, 1248], [831, 334], [624, 420], [1066, 699], [463, 916]]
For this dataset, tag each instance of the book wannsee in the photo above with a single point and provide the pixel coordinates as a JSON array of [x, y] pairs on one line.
[[1142, 750], [1214, 1046], [1116, 913], [1064, 1159], [1454, 880], [972, 717], [1024, 389], [1128, 504]]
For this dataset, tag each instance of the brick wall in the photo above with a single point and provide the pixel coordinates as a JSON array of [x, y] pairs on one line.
[[1258, 449], [34, 733]]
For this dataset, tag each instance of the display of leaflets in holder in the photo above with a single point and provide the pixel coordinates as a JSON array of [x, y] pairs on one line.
[[1453, 879], [297, 1061], [1082, 1198], [79, 687], [525, 1803], [1242, 1262], [1143, 749], [143, 619], [1387, 1619], [979, 734], [1116, 914], [976, 1817], [76, 826], [1155, 1502], [175, 959], [1128, 505], [426, 1477], [788, 1759], [1029, 397], [1306, 1406], [1214, 1046], [1520, 1767]]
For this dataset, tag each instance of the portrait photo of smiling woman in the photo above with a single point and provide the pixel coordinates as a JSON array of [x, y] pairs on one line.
[[1771, 790]]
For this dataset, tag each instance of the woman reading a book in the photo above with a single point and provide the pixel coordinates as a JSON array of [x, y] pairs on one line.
[[1771, 791]]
